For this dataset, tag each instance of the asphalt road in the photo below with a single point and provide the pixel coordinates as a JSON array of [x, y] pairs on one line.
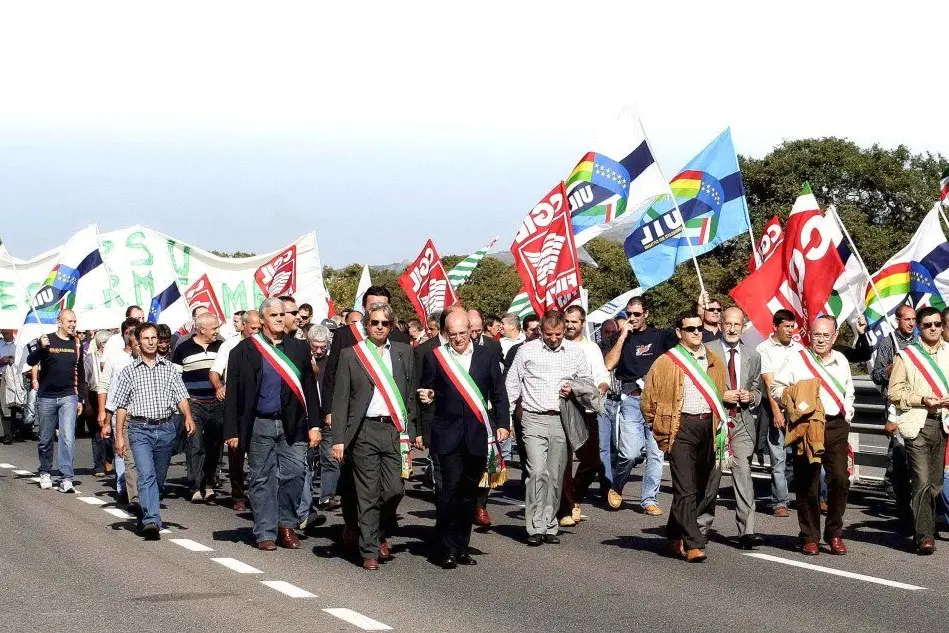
[[67, 564]]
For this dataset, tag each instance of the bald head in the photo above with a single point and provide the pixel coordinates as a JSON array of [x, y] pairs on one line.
[[206, 325], [457, 328], [733, 324], [66, 323]]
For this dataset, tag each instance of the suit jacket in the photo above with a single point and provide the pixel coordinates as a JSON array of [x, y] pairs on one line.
[[243, 385], [426, 412], [343, 338], [353, 391], [453, 422], [749, 377], [492, 346]]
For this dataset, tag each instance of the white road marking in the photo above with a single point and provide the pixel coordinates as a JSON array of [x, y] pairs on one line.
[[358, 619], [22, 472], [835, 572], [166, 531], [286, 588], [93, 501], [36, 479], [236, 565], [6, 465], [190, 545], [118, 512]]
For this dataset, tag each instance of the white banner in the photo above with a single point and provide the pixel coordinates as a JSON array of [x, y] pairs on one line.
[[142, 263]]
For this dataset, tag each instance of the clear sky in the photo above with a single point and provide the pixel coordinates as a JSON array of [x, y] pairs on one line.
[[378, 125]]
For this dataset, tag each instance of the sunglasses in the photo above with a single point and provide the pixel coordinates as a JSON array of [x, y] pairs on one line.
[[713, 309], [931, 326], [691, 329], [293, 312], [377, 323], [636, 314]]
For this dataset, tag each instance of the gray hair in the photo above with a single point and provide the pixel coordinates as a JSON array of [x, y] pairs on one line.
[[246, 317], [102, 337], [511, 319], [270, 302], [206, 319], [385, 308], [435, 317], [319, 332]]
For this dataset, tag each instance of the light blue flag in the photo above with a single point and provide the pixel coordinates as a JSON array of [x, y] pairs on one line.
[[711, 197]]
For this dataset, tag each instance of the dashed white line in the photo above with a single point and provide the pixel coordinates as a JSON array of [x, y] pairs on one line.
[[36, 479], [236, 565], [192, 546], [286, 588], [835, 572], [93, 501], [118, 512], [6, 465], [22, 472], [357, 619]]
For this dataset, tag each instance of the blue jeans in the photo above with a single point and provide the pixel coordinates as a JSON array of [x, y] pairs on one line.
[[306, 494], [607, 422], [277, 470], [61, 413], [151, 445], [780, 467], [635, 444], [329, 469]]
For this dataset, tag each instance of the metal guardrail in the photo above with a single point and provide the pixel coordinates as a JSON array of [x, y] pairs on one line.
[[869, 418]]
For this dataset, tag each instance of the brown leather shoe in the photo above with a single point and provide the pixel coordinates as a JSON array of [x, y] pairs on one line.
[[239, 505], [837, 546], [385, 554], [675, 549], [482, 517], [267, 546], [782, 512], [370, 563], [926, 547], [286, 537], [810, 549], [695, 555], [653, 510]]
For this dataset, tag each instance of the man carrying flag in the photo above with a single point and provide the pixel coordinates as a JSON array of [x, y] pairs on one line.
[[460, 379], [920, 392], [682, 401], [828, 371]]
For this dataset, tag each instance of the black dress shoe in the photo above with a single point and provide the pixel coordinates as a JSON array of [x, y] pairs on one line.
[[552, 539], [535, 539], [750, 541], [449, 562], [466, 559]]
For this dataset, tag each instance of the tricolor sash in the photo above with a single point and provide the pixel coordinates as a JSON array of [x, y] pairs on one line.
[[684, 360], [381, 376], [282, 364], [496, 472], [357, 332], [924, 363], [828, 383]]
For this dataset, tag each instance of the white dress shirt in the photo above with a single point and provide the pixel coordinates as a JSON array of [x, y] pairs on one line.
[[773, 353], [224, 351], [538, 372], [377, 406], [464, 358], [794, 369]]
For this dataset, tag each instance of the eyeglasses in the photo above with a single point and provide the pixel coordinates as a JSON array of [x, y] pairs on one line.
[[931, 326], [713, 309], [636, 314], [377, 323], [821, 336], [476, 332], [691, 329], [457, 334]]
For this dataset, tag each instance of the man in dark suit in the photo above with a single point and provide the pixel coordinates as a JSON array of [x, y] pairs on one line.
[[272, 413], [459, 437], [374, 396]]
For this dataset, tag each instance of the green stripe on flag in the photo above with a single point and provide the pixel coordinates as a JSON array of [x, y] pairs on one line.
[[463, 270]]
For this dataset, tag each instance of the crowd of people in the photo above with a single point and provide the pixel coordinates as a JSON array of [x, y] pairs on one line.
[[326, 416]]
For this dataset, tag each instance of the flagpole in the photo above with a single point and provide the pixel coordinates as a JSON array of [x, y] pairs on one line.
[[833, 209], [675, 203], [108, 271], [23, 285]]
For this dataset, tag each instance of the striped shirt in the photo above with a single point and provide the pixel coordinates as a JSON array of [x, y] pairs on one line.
[[538, 372], [149, 392], [196, 362]]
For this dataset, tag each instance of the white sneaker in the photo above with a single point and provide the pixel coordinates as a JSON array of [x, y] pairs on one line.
[[66, 486], [46, 482]]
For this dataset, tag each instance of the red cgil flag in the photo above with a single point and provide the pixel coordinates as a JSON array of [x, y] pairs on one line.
[[546, 256], [771, 240], [426, 283]]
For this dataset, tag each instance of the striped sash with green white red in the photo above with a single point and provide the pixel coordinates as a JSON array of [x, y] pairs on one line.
[[371, 360], [700, 378], [496, 471], [828, 383], [357, 332], [926, 365], [284, 367]]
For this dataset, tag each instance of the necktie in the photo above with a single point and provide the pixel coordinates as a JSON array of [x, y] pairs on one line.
[[732, 379]]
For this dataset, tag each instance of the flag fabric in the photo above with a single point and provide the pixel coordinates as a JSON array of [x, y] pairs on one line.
[[201, 294], [711, 198], [364, 283], [426, 283], [613, 307], [614, 183], [169, 307], [462, 271], [918, 276], [771, 239], [79, 262], [799, 277], [545, 254], [521, 304], [944, 187], [847, 297]]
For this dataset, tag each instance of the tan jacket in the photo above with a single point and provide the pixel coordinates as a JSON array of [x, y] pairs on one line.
[[907, 389], [661, 402], [805, 418]]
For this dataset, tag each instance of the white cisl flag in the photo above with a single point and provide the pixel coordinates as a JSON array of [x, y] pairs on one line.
[[365, 281], [425, 282], [545, 254], [847, 299]]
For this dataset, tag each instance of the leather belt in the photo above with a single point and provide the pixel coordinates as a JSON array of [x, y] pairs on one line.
[[378, 418], [268, 416], [205, 400], [698, 416], [544, 412], [151, 421]]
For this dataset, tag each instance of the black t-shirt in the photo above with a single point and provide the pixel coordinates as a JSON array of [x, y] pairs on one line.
[[61, 369], [640, 350]]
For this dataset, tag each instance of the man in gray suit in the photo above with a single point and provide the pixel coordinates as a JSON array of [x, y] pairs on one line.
[[742, 398], [367, 411]]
